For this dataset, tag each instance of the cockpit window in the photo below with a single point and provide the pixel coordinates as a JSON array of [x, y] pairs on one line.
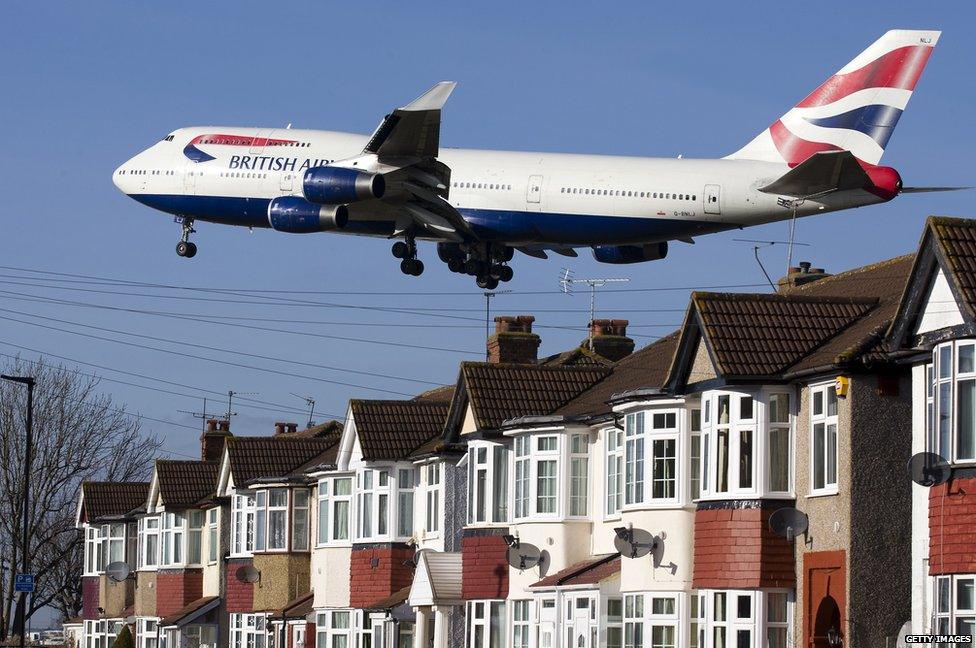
[[168, 138]]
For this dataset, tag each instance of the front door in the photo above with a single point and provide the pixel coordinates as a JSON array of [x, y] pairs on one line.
[[533, 193], [583, 617], [713, 199], [298, 636]]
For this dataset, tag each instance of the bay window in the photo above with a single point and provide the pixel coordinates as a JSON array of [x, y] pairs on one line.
[[334, 629], [385, 502], [148, 531], [147, 629], [745, 445], [634, 621], [94, 550], [578, 474], [213, 535], [116, 542], [615, 465], [280, 519], [248, 631], [335, 498], [744, 618], [823, 421], [521, 624], [432, 498], [174, 528], [277, 519], [486, 624], [195, 537], [487, 483], [405, 484], [522, 475], [299, 520], [955, 605], [954, 378], [546, 462], [653, 435]]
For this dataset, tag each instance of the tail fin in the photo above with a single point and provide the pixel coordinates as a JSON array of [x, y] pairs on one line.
[[854, 110]]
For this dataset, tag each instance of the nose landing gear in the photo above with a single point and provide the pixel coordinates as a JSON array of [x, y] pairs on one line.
[[185, 248]]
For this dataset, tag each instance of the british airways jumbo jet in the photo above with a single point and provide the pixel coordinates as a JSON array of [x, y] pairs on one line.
[[480, 206]]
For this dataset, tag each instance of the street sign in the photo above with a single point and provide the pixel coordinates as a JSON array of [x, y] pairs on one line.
[[24, 583]]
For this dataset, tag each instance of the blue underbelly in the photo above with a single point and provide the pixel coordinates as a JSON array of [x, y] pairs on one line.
[[488, 224]]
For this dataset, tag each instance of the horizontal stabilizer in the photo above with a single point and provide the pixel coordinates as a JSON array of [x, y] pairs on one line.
[[820, 173], [931, 189]]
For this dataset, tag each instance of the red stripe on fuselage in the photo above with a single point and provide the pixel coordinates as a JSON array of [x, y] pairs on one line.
[[899, 68]]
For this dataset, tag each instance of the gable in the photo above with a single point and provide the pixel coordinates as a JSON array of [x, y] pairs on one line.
[[701, 367], [469, 425], [939, 309]]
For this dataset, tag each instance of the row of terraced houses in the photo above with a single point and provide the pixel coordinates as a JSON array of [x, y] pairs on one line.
[[393, 528]]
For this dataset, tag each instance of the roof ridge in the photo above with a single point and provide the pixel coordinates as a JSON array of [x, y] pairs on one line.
[[820, 283], [810, 299]]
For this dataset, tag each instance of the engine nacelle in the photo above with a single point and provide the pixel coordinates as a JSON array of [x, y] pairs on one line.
[[618, 254], [335, 185], [298, 216]]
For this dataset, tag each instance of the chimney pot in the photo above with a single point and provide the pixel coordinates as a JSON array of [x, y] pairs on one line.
[[802, 274], [211, 425], [805, 266], [291, 428], [279, 427], [513, 341], [608, 338]]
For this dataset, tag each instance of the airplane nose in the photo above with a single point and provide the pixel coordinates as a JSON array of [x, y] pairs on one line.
[[118, 178]]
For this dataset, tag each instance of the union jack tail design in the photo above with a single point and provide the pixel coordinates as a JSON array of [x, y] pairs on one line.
[[854, 110]]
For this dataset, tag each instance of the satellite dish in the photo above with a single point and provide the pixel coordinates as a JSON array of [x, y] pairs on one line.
[[928, 469], [524, 556], [788, 522], [634, 543], [118, 571], [247, 574]]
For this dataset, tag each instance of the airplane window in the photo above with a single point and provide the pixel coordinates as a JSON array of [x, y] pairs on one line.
[[694, 197]]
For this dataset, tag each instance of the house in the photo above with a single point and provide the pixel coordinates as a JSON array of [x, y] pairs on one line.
[[932, 335]]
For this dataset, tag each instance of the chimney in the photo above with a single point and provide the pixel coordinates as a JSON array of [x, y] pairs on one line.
[[799, 275], [282, 427], [608, 338], [213, 439], [513, 341]]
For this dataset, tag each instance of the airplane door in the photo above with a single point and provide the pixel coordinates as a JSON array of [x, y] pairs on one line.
[[713, 199], [260, 141], [533, 193], [287, 182], [189, 180]]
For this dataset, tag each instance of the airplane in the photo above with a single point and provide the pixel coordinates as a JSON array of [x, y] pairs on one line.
[[480, 206]]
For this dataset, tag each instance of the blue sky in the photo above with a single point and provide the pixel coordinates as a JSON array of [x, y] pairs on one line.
[[88, 85]]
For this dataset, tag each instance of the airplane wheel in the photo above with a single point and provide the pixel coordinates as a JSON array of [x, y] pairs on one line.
[[191, 250], [505, 273], [489, 283], [456, 265], [502, 253], [473, 267], [414, 267], [401, 250], [418, 267], [182, 248]]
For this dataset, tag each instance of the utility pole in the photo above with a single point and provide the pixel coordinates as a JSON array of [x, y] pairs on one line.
[[24, 542]]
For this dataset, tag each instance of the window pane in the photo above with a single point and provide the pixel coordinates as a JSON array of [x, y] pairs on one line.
[[382, 514], [578, 493], [966, 419], [943, 604], [779, 459], [779, 408], [340, 522], [966, 359], [743, 606], [695, 466], [342, 486], [662, 606], [776, 607], [945, 417], [965, 599], [546, 486], [745, 458], [499, 484], [663, 484], [819, 444], [832, 454], [776, 637], [723, 410], [831, 401], [323, 521], [722, 461], [945, 361], [745, 407]]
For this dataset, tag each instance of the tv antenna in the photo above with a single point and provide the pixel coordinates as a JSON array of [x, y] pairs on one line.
[[200, 415], [567, 282], [311, 406], [230, 402], [488, 296], [929, 469], [757, 244]]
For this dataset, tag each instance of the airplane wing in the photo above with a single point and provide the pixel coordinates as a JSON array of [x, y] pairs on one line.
[[820, 173], [404, 148]]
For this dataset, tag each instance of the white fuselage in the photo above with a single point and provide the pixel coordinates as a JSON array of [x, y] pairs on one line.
[[517, 198]]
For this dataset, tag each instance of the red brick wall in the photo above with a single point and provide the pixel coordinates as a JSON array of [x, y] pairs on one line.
[[176, 588], [484, 564], [734, 548], [369, 582], [952, 527], [239, 595], [89, 597]]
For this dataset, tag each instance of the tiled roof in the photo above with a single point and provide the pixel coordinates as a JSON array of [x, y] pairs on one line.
[[761, 335], [956, 238], [296, 608], [498, 392], [327, 430], [185, 484], [112, 499], [392, 429], [576, 357], [253, 458], [188, 610], [646, 368], [441, 394], [393, 600], [588, 572]]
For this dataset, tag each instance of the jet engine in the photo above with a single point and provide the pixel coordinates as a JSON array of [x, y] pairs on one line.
[[335, 185], [618, 254], [298, 216]]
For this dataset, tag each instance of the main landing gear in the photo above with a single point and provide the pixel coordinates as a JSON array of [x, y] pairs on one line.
[[486, 262], [406, 251], [185, 248]]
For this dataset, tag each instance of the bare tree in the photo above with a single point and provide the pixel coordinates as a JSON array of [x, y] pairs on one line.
[[79, 435]]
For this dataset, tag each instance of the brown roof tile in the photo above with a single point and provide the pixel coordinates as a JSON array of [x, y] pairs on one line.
[[253, 458], [174, 618], [587, 572], [393, 600], [441, 394], [499, 392], [297, 608], [646, 368], [328, 430], [185, 484], [112, 499], [392, 429]]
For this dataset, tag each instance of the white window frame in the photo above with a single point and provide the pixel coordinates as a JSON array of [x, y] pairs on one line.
[[522, 476], [614, 483], [195, 520], [579, 475], [148, 527], [432, 475], [948, 380], [522, 625], [172, 539], [246, 631], [243, 507], [94, 551], [695, 437], [300, 519], [495, 497], [635, 457], [544, 454], [946, 612], [757, 623], [406, 480], [479, 617], [115, 537], [280, 513], [330, 628], [823, 417], [331, 500], [147, 632], [213, 535]]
